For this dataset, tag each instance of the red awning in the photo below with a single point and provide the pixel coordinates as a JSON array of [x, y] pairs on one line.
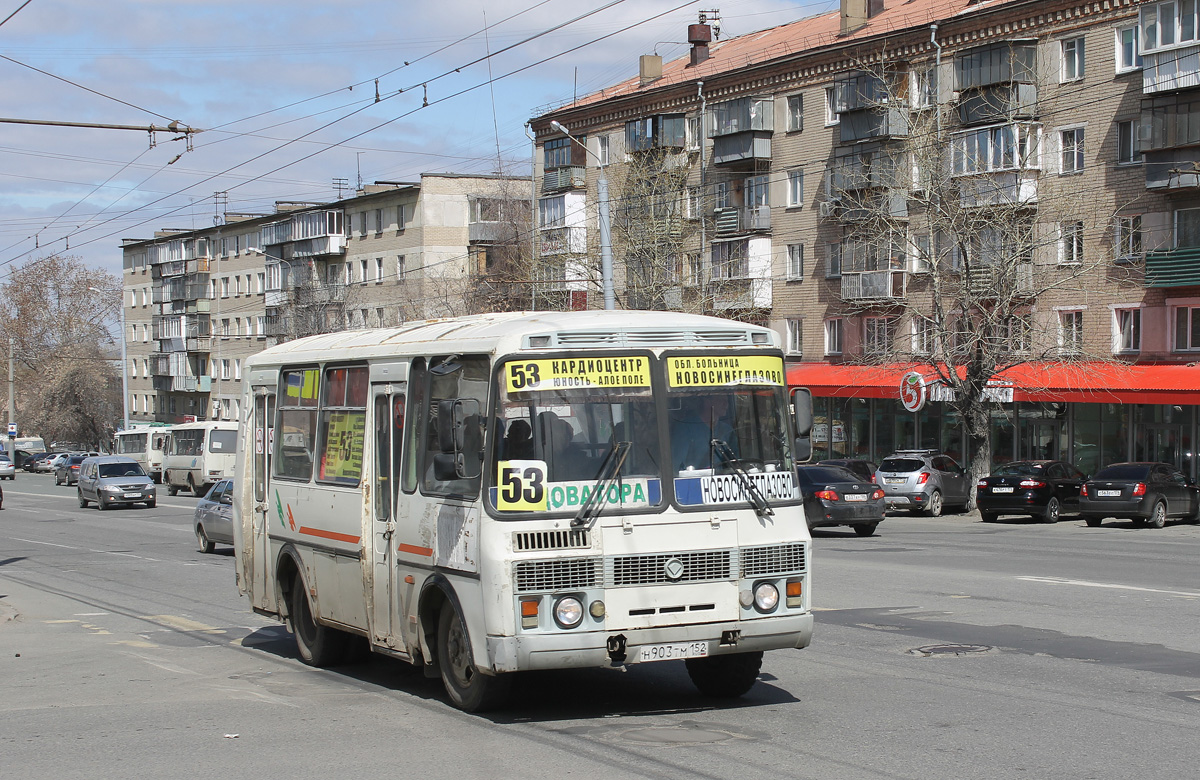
[[1088, 382]]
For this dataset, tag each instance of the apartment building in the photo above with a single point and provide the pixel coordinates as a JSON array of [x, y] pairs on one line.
[[199, 302], [817, 176]]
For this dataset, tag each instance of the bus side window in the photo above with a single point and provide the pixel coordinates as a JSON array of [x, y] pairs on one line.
[[295, 436], [383, 458], [418, 416]]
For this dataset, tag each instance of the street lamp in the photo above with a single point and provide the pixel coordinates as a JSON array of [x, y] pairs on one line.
[[124, 362], [606, 268]]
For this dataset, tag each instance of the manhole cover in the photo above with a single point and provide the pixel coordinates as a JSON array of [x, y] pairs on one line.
[[929, 650], [678, 735]]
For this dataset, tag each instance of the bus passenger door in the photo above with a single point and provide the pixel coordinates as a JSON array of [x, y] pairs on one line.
[[388, 429], [261, 587]]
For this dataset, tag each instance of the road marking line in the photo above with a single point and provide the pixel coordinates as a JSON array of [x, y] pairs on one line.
[[1111, 585], [48, 544]]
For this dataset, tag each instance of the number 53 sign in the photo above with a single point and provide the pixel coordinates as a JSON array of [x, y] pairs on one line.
[[521, 486]]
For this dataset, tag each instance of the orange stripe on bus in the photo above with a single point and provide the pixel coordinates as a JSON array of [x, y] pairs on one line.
[[414, 549], [329, 535]]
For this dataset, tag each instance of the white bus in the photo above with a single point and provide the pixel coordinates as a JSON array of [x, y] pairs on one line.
[[147, 444], [497, 493], [199, 454]]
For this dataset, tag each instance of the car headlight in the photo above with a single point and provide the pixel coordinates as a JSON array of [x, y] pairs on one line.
[[766, 597], [568, 612], [111, 489]]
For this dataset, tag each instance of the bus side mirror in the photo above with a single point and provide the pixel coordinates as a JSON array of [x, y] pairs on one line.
[[802, 414], [460, 438]]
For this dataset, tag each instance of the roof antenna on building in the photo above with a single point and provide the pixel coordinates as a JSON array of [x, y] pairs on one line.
[[713, 19]]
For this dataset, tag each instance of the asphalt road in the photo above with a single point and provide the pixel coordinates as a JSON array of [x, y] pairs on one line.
[[126, 653]]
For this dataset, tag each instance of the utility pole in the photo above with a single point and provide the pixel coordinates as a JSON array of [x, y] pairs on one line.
[[12, 401]]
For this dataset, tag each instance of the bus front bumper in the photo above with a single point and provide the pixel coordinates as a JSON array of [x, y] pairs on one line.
[[579, 649]]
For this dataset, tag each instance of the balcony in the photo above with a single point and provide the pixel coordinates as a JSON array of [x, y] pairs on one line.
[[888, 204], [734, 221], [319, 246], [873, 285], [731, 294], [1171, 69], [742, 150], [1173, 170], [1001, 281], [199, 344], [999, 189], [562, 241], [880, 122], [570, 177], [998, 103], [275, 298], [1173, 268]]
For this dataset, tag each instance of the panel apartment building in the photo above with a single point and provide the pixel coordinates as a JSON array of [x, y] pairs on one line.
[[199, 302], [819, 177]]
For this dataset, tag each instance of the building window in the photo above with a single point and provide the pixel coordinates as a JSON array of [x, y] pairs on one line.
[[924, 86], [262, 326], [831, 115], [1072, 59], [1127, 238], [795, 337], [757, 191], [833, 261], [362, 270], [552, 211], [795, 188], [602, 149], [1127, 143], [1070, 332], [557, 152], [224, 286], [693, 203], [262, 282], [378, 221], [400, 270], [1187, 228], [226, 370], [1001, 148], [379, 317], [1016, 334], [362, 224], [1187, 329], [924, 336], [379, 270], [1127, 330], [1128, 57], [879, 334], [348, 274], [795, 262], [721, 194], [833, 336], [225, 327], [1167, 24], [401, 217], [795, 113], [1070, 243], [237, 369], [692, 131], [1072, 150]]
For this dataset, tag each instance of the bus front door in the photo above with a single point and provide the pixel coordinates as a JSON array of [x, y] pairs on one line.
[[388, 429], [261, 587]]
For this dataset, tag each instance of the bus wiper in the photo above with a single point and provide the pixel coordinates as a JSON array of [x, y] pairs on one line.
[[610, 469], [761, 507]]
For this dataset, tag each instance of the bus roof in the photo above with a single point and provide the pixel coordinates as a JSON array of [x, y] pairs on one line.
[[503, 332]]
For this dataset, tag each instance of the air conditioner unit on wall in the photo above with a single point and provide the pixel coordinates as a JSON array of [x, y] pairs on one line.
[[828, 208]]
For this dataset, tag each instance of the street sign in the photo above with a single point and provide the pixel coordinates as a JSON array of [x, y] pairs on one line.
[[12, 430]]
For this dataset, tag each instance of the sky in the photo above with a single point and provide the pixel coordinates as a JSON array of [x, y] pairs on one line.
[[286, 97]]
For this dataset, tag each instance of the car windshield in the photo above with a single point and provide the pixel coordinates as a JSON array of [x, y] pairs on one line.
[[121, 470], [901, 464], [1123, 471], [1019, 469], [826, 474]]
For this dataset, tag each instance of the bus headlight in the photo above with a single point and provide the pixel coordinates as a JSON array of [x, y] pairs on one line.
[[766, 597], [568, 612]]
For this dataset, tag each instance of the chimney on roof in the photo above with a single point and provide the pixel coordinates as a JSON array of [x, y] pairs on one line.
[[699, 35], [649, 68]]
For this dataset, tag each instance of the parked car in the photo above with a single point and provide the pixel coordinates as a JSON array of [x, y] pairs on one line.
[[865, 469], [67, 470], [1147, 493], [31, 463], [1043, 489], [923, 481], [214, 516], [7, 469], [114, 479], [51, 461], [834, 496]]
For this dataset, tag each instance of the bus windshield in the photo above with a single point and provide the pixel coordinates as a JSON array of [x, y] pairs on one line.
[[559, 427]]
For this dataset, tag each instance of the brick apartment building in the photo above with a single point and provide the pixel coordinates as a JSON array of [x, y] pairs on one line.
[[776, 177], [199, 302]]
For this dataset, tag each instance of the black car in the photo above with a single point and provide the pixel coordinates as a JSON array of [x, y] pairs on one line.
[[1043, 489], [834, 496], [865, 469], [1147, 493]]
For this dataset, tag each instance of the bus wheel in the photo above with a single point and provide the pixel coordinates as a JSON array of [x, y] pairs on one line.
[[468, 688], [725, 676], [192, 487], [318, 645], [172, 488]]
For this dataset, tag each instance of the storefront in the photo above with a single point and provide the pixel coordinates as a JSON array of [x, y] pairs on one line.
[[1089, 414]]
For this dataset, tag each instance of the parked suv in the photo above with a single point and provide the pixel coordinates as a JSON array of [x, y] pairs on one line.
[[923, 481], [114, 479]]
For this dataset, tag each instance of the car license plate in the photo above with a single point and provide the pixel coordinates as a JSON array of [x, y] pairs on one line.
[[855, 496], [895, 480], [1002, 490], [1108, 493], [133, 495], [673, 651]]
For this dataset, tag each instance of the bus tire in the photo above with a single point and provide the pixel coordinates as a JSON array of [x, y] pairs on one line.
[[318, 645], [469, 689], [172, 488], [725, 676], [192, 486]]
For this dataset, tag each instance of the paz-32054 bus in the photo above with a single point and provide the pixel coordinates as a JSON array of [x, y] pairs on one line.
[[505, 492]]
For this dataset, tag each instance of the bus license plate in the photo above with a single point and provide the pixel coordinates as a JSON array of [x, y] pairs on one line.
[[1108, 493], [673, 651], [856, 496]]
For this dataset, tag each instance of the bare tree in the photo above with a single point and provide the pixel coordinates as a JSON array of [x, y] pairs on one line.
[[315, 303], [954, 244]]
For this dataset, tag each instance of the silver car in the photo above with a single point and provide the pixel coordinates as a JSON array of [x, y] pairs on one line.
[[214, 516], [7, 469], [109, 480], [923, 481]]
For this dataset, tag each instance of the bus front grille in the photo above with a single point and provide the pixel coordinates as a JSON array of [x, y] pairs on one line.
[[558, 574], [563, 539], [773, 559], [700, 566]]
